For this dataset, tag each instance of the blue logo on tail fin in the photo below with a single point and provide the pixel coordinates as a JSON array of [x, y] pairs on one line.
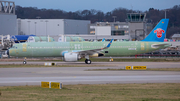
[[159, 32]]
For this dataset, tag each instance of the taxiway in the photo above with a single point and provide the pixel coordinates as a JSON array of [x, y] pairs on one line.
[[80, 75]]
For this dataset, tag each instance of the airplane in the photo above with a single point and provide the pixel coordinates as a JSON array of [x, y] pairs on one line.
[[74, 51]]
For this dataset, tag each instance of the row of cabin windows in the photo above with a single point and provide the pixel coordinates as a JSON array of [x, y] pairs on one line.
[[87, 47]]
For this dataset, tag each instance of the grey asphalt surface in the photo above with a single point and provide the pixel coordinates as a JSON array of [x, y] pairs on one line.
[[80, 75], [117, 64]]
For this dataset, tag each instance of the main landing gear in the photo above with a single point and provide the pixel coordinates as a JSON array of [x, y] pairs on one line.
[[87, 61]]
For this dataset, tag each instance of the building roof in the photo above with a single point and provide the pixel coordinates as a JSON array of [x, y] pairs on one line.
[[176, 36]]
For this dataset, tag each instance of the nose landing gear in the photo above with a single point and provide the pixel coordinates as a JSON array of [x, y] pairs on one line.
[[24, 62]]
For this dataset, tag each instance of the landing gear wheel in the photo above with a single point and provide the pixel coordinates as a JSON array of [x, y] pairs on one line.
[[87, 61], [24, 62]]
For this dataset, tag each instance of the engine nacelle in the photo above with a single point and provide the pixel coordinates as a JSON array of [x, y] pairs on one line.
[[71, 57]]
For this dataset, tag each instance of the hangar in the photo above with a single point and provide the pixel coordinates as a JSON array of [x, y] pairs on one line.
[[52, 27], [8, 22]]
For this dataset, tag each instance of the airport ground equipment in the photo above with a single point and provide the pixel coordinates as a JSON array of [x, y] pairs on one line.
[[49, 64], [6, 42], [111, 59]]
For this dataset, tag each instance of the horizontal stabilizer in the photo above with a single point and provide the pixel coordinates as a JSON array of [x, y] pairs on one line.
[[159, 45]]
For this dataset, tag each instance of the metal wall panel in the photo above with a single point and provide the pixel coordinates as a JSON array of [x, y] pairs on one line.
[[8, 24], [42, 27], [103, 30], [76, 27], [53, 27]]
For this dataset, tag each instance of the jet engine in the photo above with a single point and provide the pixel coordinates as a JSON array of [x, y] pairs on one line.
[[71, 57]]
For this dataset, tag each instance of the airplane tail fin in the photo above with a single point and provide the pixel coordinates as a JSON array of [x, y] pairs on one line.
[[159, 32]]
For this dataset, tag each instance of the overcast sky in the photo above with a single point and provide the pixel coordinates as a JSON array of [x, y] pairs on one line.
[[103, 5]]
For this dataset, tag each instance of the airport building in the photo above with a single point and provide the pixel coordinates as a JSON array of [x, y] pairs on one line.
[[8, 22], [135, 28], [176, 37], [109, 30], [52, 27]]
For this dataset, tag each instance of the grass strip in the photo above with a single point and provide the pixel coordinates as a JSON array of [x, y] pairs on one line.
[[98, 92], [148, 69]]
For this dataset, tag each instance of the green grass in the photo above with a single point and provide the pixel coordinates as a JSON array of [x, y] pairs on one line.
[[148, 69], [99, 92]]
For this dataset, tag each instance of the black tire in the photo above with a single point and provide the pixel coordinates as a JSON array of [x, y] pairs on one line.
[[89, 62], [86, 61], [24, 62]]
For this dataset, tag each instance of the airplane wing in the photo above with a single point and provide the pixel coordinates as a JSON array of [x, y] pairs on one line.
[[90, 52]]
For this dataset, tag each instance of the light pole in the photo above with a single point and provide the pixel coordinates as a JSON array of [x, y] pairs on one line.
[[46, 29], [35, 27], [165, 18], [77, 31], [29, 27], [114, 18], [165, 12]]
